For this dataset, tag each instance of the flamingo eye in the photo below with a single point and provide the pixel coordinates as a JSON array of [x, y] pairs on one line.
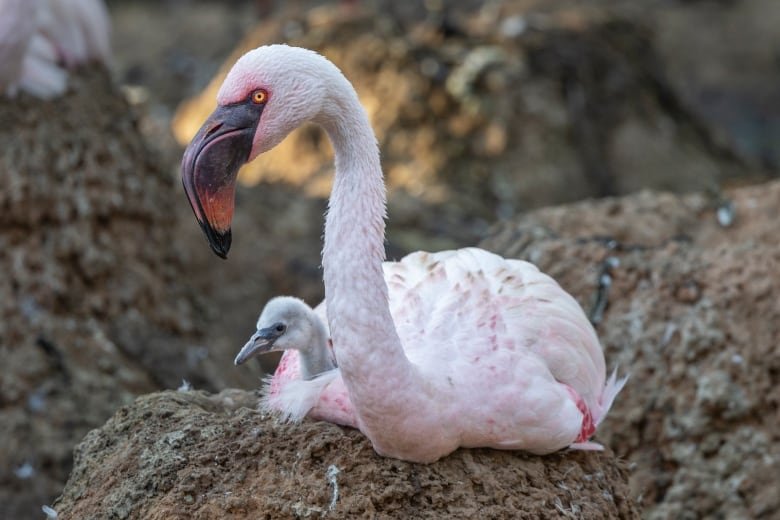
[[259, 97], [280, 327]]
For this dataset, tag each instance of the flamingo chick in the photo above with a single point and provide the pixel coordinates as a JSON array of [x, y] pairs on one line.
[[437, 351], [41, 39], [288, 323]]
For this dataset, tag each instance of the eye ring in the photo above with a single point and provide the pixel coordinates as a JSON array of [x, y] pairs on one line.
[[280, 327], [259, 96]]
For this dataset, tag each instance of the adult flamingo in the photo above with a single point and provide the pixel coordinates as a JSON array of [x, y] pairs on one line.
[[41, 39], [439, 350]]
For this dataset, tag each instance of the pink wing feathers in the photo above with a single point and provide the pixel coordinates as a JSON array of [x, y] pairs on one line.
[[446, 301]]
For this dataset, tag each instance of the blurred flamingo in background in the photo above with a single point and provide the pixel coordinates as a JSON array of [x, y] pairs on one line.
[[436, 351], [40, 40]]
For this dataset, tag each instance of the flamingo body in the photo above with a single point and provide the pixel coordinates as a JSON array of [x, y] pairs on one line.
[[493, 324], [437, 351]]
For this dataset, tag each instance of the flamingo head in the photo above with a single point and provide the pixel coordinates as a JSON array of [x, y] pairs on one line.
[[269, 92], [285, 323]]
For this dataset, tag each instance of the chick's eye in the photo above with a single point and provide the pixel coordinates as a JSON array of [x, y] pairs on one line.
[[259, 97], [280, 327]]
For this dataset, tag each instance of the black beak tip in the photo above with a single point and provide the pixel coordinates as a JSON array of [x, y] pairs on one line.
[[219, 241], [220, 244], [222, 253]]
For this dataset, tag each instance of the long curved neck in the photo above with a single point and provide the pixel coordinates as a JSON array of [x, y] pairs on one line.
[[367, 347]]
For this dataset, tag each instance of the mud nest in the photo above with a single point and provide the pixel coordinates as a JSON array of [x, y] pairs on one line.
[[192, 455]]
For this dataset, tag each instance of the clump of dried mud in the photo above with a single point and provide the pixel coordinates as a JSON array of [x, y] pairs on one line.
[[184, 455]]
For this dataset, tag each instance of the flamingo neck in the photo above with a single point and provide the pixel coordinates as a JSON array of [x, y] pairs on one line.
[[316, 359], [367, 347]]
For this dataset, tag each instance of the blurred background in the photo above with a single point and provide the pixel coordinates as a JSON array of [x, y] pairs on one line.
[[484, 110]]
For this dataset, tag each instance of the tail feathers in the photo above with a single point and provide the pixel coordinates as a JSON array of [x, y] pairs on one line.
[[612, 388], [586, 446]]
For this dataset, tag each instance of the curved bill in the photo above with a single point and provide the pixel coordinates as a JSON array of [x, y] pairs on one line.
[[210, 166], [261, 341]]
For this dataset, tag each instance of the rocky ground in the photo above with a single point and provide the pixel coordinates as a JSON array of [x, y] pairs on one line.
[[488, 113], [690, 312], [482, 113]]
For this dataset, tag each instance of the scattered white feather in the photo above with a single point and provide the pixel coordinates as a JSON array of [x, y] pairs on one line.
[[726, 214], [333, 472], [50, 513], [586, 446]]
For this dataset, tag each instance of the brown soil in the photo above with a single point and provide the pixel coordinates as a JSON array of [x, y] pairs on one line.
[[182, 455]]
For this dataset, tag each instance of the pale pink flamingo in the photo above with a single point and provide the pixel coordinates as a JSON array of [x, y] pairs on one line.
[[437, 351], [41, 39]]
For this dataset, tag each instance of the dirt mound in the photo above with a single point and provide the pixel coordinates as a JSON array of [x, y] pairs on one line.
[[691, 313], [92, 309], [191, 455]]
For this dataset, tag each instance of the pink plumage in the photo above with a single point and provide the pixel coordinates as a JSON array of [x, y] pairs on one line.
[[438, 351], [41, 39]]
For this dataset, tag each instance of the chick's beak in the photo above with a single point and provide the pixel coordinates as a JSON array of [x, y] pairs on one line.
[[210, 166], [261, 341]]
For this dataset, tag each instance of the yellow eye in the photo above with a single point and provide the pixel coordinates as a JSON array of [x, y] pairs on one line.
[[259, 97]]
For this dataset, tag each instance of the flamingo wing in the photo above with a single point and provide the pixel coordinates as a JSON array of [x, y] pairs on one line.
[[469, 303]]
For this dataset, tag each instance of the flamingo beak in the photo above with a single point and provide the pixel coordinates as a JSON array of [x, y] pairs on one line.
[[261, 341], [210, 167]]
